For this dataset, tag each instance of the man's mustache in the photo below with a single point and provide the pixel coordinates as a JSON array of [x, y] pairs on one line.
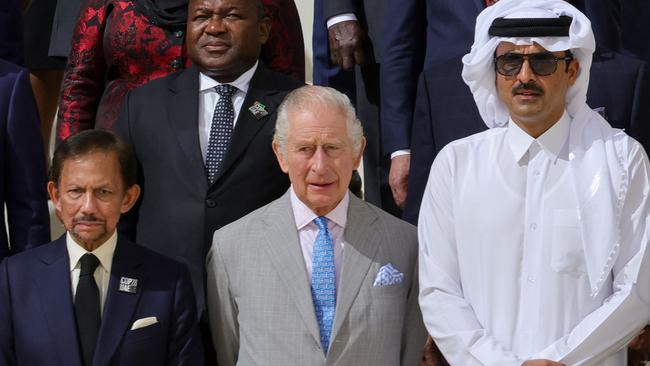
[[87, 218], [527, 87]]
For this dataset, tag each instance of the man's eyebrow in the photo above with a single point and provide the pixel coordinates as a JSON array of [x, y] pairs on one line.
[[202, 9]]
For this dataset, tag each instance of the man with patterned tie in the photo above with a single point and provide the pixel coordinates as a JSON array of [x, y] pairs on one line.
[[317, 277], [92, 297], [202, 136]]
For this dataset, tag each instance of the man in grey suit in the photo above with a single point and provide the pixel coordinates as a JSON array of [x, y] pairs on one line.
[[316, 277]]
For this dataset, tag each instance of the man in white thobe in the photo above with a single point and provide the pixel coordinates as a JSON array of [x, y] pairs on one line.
[[533, 234]]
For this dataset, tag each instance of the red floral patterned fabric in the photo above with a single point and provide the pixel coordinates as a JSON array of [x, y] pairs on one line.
[[285, 50], [116, 49]]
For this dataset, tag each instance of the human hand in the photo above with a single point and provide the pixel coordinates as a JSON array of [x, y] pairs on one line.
[[639, 348], [346, 44], [431, 355], [398, 178], [542, 362]]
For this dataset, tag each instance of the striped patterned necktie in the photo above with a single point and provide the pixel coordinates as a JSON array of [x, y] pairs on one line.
[[323, 281], [220, 131]]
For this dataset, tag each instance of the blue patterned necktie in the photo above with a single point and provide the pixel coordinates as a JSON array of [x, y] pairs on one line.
[[323, 281], [220, 131]]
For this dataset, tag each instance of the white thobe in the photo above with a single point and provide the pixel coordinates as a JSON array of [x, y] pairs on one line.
[[502, 268]]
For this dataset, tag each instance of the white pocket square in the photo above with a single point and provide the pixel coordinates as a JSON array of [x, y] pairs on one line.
[[388, 275], [144, 322]]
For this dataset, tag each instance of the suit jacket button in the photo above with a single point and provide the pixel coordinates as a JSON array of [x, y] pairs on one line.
[[176, 64], [211, 203]]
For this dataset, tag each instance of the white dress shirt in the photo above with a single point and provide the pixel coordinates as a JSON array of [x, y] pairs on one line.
[[502, 266], [208, 99], [307, 230], [103, 271]]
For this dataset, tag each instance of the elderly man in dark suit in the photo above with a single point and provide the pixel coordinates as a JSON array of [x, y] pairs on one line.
[[92, 297], [22, 165], [202, 136]]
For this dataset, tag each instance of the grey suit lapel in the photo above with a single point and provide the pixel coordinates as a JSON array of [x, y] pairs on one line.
[[284, 251], [361, 238]]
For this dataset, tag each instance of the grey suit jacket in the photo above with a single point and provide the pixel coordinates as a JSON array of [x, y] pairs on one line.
[[260, 303]]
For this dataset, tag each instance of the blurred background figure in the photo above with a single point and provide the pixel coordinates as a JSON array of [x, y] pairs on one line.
[[22, 165], [46, 49], [11, 42], [119, 45]]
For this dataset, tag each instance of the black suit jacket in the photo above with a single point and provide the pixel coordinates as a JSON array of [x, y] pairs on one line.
[[445, 111], [178, 212]]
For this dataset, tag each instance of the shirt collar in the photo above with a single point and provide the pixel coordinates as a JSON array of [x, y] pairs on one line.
[[104, 252], [552, 141], [241, 83], [304, 215]]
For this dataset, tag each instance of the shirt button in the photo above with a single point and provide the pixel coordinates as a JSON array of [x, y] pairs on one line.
[[176, 64], [533, 227], [531, 279], [178, 34], [536, 173], [211, 203]]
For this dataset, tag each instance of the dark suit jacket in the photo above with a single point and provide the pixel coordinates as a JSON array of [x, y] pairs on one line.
[[445, 111], [37, 321], [178, 211], [65, 19], [22, 164], [11, 37]]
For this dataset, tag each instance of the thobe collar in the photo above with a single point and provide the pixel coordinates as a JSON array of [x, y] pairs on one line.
[[552, 142]]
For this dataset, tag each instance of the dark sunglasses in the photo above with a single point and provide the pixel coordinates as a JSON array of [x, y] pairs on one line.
[[542, 64]]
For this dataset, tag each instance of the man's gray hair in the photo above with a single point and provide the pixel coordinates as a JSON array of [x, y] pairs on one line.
[[307, 98]]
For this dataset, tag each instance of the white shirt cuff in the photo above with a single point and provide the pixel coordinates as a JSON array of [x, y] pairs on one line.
[[340, 18], [400, 153]]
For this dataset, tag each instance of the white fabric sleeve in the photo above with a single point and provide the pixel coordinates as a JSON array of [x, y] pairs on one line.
[[340, 18], [448, 316], [400, 153], [610, 327]]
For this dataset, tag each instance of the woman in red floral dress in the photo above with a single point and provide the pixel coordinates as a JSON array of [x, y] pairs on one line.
[[119, 45]]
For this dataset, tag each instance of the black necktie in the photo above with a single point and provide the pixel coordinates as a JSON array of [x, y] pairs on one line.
[[87, 308], [220, 131]]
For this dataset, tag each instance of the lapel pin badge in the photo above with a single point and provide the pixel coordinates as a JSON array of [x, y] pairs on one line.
[[129, 285], [258, 109]]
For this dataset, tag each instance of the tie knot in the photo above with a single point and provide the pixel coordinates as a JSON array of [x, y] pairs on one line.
[[321, 222], [225, 90], [88, 264]]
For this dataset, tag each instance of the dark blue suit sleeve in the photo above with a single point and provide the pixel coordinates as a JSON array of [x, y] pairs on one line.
[[7, 351], [128, 221], [423, 151], [11, 35], [402, 60], [25, 183], [336, 7], [185, 347], [640, 118]]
